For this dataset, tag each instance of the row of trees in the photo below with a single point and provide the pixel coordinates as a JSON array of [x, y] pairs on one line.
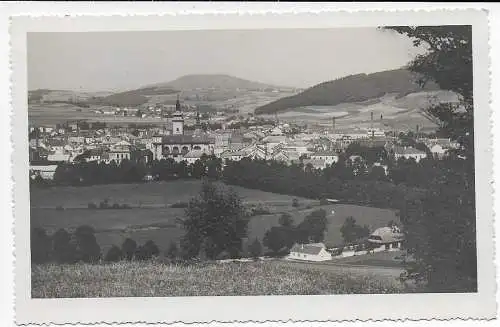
[[279, 239], [129, 171], [81, 246]]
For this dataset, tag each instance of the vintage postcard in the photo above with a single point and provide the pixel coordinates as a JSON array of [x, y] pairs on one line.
[[194, 168]]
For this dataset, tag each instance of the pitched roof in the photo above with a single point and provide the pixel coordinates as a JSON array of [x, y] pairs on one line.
[[186, 139], [274, 139], [325, 154], [386, 235], [313, 248], [407, 150]]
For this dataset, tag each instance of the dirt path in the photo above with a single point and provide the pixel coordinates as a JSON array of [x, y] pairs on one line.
[[386, 272]]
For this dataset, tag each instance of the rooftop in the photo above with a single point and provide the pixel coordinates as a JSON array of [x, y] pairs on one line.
[[313, 248], [186, 139], [385, 235]]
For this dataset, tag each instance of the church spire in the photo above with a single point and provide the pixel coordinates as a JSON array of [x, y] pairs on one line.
[[178, 104]]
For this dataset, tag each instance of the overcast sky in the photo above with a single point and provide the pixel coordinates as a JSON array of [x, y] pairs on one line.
[[287, 57]]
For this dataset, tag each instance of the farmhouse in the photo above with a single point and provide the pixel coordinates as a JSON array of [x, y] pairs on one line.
[[330, 157], [408, 153], [387, 238], [192, 156], [44, 171], [309, 252]]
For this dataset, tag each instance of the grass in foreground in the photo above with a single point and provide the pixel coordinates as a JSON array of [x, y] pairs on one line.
[[139, 279]]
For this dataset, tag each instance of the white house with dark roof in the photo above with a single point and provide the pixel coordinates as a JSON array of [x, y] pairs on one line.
[[408, 152], [192, 156], [330, 157], [316, 163], [387, 238], [309, 252]]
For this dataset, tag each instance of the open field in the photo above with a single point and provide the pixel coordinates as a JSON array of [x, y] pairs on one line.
[[208, 279], [159, 221]]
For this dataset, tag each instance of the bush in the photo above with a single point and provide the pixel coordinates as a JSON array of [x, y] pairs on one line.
[[147, 251], [64, 249], [41, 246], [114, 254], [129, 247], [173, 251], [92, 205], [86, 244], [255, 249]]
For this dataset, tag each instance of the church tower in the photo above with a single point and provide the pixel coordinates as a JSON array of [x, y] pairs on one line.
[[178, 120]]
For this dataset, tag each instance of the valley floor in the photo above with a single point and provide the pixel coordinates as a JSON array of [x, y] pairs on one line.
[[209, 279]]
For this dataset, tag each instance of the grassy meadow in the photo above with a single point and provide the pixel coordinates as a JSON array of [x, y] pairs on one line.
[[156, 220], [207, 279]]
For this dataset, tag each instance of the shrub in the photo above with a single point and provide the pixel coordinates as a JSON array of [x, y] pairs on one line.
[[41, 246], [173, 251], [86, 244], [147, 251], [129, 247], [114, 254], [64, 249], [255, 249], [92, 205]]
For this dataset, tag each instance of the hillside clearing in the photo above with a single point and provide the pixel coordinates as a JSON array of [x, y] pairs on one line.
[[159, 224]]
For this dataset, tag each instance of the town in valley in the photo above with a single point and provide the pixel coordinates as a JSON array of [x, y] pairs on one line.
[[326, 188]]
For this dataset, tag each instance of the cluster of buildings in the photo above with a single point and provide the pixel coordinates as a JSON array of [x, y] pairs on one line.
[[382, 239], [50, 146]]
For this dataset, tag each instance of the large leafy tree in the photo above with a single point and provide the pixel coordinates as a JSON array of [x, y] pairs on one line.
[[215, 222], [447, 61], [441, 226]]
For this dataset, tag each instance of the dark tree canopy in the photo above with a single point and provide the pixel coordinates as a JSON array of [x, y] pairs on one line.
[[129, 247], [215, 222], [440, 227], [114, 254]]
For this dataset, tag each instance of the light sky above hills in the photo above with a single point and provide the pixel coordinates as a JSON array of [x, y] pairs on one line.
[[107, 61]]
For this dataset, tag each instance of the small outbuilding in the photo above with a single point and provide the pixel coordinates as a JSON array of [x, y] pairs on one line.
[[309, 252], [387, 238]]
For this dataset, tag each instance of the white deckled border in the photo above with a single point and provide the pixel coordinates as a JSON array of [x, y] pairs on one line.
[[269, 308]]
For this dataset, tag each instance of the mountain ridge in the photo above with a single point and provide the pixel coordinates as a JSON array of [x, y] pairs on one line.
[[217, 81], [349, 89]]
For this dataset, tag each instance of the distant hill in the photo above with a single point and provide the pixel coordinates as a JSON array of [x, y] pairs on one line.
[[354, 88], [214, 81], [132, 97]]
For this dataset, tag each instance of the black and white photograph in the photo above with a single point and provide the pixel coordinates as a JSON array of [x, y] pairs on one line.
[[252, 162]]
